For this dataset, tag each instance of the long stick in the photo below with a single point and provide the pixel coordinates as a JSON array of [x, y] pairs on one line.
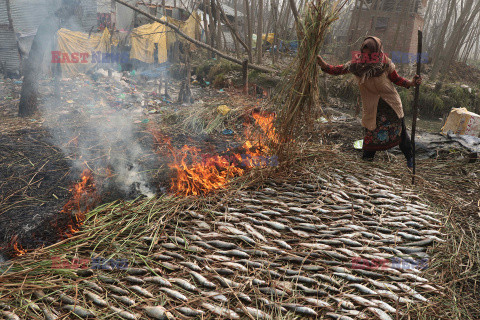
[[194, 41], [415, 101]]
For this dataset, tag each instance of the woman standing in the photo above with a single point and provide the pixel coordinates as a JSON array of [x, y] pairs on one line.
[[383, 117]]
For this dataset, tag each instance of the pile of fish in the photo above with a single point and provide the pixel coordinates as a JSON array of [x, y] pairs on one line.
[[338, 247]]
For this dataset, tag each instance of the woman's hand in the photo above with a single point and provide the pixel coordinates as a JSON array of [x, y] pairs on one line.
[[321, 62], [417, 80]]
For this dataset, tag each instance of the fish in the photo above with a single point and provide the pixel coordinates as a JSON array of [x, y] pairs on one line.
[[412, 292], [224, 271], [326, 278], [123, 314], [382, 315], [79, 311], [385, 306], [159, 280], [9, 315], [303, 279], [134, 280], [220, 311], [337, 316], [189, 312], [236, 266], [141, 291], [49, 315], [184, 284], [117, 290], [269, 231], [393, 296], [123, 299], [254, 233], [66, 299], [174, 294], [222, 244], [96, 299], [216, 296], [191, 266], [348, 277], [305, 311], [255, 313], [272, 291], [226, 283], [245, 239], [360, 300], [202, 280], [93, 286], [318, 302], [384, 285], [283, 244], [235, 253], [362, 288], [136, 271], [158, 312]]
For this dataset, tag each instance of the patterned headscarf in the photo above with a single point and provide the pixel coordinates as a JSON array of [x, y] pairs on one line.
[[377, 66]]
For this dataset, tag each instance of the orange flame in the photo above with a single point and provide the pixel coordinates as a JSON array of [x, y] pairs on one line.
[[83, 198], [196, 175]]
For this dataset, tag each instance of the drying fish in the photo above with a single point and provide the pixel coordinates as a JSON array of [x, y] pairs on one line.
[[224, 271], [382, 315], [79, 311], [235, 253], [159, 280], [141, 291], [9, 315], [220, 311], [123, 314], [116, 289], [222, 244], [158, 312], [362, 288], [255, 313], [385, 306], [95, 299], [318, 302], [174, 294], [216, 296], [49, 315], [226, 283], [235, 266], [202, 280], [337, 316], [412, 292], [360, 300], [134, 280], [304, 311], [123, 299], [184, 284], [189, 312]]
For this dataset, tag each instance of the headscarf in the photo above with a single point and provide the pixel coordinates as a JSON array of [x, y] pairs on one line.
[[377, 66]]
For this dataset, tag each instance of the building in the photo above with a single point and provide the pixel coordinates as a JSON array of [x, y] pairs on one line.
[[395, 22], [18, 27]]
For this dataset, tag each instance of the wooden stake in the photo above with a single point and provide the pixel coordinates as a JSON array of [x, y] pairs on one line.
[[245, 76], [415, 101]]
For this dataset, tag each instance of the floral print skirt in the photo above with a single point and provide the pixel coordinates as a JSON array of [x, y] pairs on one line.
[[388, 132]]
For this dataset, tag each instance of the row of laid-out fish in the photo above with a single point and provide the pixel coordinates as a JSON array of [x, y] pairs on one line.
[[345, 247]]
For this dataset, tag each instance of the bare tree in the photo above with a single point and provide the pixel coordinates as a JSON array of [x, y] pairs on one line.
[[259, 32]]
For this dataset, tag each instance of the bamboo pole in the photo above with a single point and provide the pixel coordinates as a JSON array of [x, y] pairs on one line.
[[415, 101]]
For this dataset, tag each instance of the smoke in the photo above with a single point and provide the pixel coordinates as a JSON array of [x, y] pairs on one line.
[[93, 123]]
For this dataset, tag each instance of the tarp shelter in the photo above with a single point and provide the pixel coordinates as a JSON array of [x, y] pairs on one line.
[[78, 52], [144, 39]]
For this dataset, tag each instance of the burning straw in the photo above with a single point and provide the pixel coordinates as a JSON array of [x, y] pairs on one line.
[[299, 94]]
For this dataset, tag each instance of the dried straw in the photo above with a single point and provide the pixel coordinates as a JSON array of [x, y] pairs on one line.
[[299, 94]]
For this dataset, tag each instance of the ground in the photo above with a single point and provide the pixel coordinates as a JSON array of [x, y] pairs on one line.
[[308, 239]]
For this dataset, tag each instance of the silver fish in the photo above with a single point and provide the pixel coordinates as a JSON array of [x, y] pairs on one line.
[[123, 299], [117, 290], [255, 313], [235, 253], [174, 294], [134, 280], [158, 312], [226, 283], [385, 306], [382, 315], [93, 285], [222, 312], [184, 284], [159, 280], [9, 315], [360, 300], [362, 288], [306, 311], [202, 280], [216, 296], [189, 312], [318, 302], [141, 291], [123, 314], [96, 299], [49, 315], [79, 311]]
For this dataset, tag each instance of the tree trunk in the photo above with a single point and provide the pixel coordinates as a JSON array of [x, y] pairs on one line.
[[235, 26], [219, 27], [205, 22], [275, 30], [42, 43], [249, 29], [260, 32]]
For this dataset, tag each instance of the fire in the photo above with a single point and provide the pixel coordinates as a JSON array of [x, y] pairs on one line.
[[84, 197], [197, 175]]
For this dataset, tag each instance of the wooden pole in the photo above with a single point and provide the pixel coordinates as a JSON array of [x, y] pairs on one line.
[[245, 76], [415, 101], [194, 41]]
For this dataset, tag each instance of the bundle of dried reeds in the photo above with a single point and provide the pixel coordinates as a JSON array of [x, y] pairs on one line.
[[299, 94]]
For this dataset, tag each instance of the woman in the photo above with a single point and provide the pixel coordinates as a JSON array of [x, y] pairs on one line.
[[383, 117]]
